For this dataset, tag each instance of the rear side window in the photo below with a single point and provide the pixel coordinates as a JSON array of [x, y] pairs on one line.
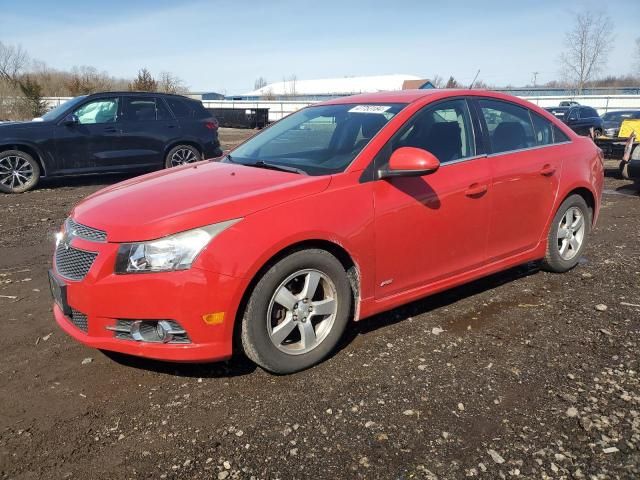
[[588, 112], [139, 109], [543, 129], [509, 126], [185, 108], [162, 112], [559, 136]]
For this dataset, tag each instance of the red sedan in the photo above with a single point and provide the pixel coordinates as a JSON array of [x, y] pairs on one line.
[[337, 212]]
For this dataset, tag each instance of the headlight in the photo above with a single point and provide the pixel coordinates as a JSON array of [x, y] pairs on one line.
[[611, 132], [175, 252]]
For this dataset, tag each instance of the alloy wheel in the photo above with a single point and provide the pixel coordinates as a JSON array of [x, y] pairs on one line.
[[182, 156], [571, 233], [302, 311], [15, 171]]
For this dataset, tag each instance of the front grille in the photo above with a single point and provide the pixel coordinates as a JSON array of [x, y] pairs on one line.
[[79, 319], [73, 264], [82, 231]]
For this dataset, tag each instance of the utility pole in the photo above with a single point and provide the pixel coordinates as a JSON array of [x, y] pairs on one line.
[[535, 77]]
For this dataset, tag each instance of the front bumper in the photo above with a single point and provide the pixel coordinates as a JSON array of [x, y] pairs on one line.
[[184, 296]]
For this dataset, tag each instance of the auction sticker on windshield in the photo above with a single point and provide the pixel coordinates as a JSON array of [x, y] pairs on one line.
[[369, 109]]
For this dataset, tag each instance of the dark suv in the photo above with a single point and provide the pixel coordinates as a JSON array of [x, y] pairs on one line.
[[579, 118], [106, 133]]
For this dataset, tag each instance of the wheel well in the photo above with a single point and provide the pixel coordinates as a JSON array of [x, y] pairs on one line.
[[333, 248], [185, 142], [588, 197], [29, 150]]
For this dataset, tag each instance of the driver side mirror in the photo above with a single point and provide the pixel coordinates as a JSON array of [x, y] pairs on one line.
[[71, 119], [410, 162]]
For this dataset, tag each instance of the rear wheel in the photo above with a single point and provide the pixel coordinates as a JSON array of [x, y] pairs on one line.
[[19, 171], [568, 235], [297, 312], [182, 154]]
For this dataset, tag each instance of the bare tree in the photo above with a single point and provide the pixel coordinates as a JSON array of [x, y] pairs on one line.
[[437, 81], [170, 83], [587, 45], [637, 55], [13, 61], [259, 83]]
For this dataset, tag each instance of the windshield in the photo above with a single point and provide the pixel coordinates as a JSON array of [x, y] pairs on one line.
[[619, 116], [318, 140], [55, 112]]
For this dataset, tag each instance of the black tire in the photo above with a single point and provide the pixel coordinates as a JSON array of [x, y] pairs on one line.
[[182, 154], [256, 342], [553, 260], [25, 164], [597, 132]]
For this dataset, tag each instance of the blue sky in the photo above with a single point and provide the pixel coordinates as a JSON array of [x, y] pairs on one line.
[[224, 45]]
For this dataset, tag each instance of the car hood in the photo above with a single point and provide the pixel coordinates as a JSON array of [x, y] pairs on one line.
[[171, 201], [7, 128]]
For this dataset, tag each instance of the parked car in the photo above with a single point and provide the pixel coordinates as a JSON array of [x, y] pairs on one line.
[[106, 133], [580, 119], [568, 103], [379, 200], [613, 120]]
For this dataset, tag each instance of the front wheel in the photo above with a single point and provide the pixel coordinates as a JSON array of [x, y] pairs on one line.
[[567, 235], [19, 171], [297, 312], [181, 155]]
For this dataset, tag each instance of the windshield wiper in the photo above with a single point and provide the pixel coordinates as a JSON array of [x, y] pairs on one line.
[[273, 166]]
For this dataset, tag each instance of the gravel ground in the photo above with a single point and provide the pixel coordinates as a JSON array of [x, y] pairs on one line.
[[523, 374]]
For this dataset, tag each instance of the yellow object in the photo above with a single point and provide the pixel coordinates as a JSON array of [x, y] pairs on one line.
[[213, 318], [628, 127]]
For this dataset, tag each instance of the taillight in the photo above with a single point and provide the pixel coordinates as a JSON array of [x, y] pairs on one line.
[[212, 125]]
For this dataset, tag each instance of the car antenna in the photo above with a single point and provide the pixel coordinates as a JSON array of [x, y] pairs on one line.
[[474, 79]]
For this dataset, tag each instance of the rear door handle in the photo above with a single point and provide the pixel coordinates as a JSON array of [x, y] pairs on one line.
[[548, 170], [111, 130], [476, 190]]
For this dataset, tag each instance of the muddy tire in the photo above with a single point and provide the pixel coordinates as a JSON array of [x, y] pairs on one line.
[[297, 312], [568, 235], [181, 155], [19, 171]]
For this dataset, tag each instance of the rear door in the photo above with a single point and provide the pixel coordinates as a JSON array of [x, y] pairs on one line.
[[525, 167], [147, 128], [92, 143]]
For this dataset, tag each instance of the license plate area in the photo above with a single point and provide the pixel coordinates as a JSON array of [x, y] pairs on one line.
[[59, 293]]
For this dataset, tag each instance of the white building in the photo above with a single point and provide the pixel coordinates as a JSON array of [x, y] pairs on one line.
[[320, 89]]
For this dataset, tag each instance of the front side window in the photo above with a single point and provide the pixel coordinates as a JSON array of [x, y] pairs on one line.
[[443, 129], [318, 140], [104, 110], [509, 126]]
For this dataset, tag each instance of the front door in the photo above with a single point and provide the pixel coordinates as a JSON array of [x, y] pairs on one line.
[[92, 142], [432, 227]]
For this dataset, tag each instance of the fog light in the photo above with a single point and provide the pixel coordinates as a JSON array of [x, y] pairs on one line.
[[153, 331]]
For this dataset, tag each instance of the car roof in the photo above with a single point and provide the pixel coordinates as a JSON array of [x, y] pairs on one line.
[[411, 96], [137, 94]]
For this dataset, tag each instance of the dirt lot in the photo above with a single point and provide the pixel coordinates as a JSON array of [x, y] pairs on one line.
[[523, 374]]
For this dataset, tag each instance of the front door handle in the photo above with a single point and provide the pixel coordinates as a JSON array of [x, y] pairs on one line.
[[548, 170], [476, 190], [111, 130]]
